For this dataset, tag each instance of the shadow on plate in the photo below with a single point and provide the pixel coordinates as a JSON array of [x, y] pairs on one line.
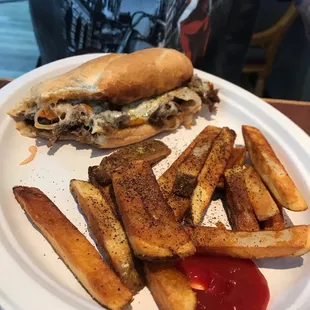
[[280, 263], [95, 152], [287, 220]]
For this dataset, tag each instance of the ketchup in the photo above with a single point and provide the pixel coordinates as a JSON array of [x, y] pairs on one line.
[[223, 283]]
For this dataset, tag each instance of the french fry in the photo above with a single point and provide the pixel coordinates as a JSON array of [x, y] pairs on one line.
[[239, 209], [274, 223], [186, 177], [152, 230], [260, 199], [75, 250], [166, 181], [210, 174], [271, 170], [236, 158], [169, 287], [179, 205], [292, 241], [152, 151], [108, 231]]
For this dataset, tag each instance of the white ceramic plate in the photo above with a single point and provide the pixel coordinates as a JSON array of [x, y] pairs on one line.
[[32, 275]]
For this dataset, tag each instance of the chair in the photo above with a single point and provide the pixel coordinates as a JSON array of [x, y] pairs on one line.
[[4, 81], [268, 40]]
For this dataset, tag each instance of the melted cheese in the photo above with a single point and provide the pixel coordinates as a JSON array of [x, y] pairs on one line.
[[138, 112]]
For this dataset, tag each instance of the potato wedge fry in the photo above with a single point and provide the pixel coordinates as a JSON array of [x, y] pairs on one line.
[[108, 231], [239, 208], [274, 223], [262, 202], [236, 158], [152, 151], [271, 170], [186, 178], [169, 287], [75, 250], [292, 241], [179, 205], [166, 181], [151, 227], [211, 172]]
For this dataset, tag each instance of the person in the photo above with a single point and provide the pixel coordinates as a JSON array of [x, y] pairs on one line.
[[214, 34], [303, 7]]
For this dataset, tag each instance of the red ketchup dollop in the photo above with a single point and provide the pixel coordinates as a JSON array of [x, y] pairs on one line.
[[224, 283]]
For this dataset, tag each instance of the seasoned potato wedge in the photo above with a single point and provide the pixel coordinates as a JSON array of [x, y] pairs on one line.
[[263, 204], [239, 209], [152, 151], [236, 158], [169, 287], [186, 178], [72, 246], [210, 174], [292, 241], [151, 227], [108, 231], [271, 170], [274, 223], [166, 181]]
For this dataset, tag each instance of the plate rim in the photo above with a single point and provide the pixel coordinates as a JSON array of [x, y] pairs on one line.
[[290, 127]]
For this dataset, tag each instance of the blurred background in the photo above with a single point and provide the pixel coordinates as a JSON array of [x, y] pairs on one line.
[[277, 63]]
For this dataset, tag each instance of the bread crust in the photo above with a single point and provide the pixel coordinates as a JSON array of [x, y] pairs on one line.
[[116, 78]]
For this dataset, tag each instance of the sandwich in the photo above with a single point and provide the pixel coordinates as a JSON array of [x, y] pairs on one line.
[[115, 100]]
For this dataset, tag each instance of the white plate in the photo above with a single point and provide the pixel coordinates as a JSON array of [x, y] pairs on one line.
[[32, 275]]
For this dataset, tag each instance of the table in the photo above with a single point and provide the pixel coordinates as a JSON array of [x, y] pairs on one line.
[[297, 111]]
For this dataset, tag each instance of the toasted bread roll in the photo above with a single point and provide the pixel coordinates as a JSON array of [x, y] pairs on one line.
[[239, 208], [292, 241], [108, 231], [115, 100], [210, 174], [75, 250], [271, 170], [186, 178], [151, 227], [152, 151], [236, 158], [169, 287], [116, 78]]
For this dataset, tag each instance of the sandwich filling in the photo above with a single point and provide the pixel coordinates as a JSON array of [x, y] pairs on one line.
[[93, 117]]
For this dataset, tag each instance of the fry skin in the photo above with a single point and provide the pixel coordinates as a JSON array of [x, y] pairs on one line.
[[152, 230], [108, 231], [210, 174], [169, 287], [75, 250], [292, 241], [272, 171]]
